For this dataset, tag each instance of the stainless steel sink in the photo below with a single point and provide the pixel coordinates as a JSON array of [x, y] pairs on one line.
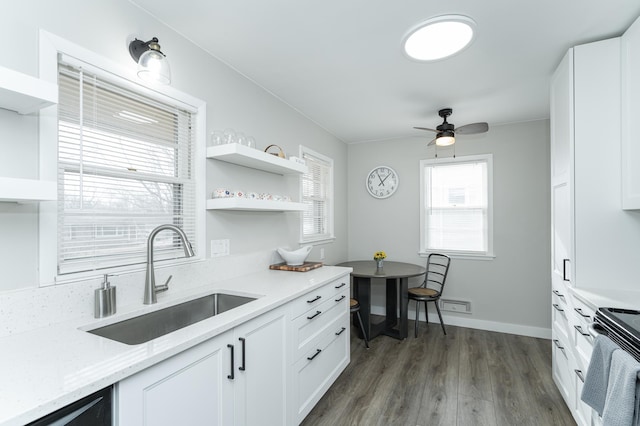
[[155, 324]]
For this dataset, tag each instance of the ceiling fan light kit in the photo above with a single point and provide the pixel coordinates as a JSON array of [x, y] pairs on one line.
[[439, 37]]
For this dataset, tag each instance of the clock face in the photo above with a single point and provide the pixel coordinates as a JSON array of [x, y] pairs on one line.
[[382, 182]]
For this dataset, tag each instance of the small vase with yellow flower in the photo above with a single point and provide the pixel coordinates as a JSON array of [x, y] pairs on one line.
[[379, 257]]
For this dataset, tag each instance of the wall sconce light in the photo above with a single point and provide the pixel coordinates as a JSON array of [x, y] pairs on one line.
[[152, 63]]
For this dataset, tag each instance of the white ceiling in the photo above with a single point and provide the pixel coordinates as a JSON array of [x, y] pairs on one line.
[[340, 63]]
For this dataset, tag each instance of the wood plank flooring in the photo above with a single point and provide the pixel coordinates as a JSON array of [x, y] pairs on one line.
[[468, 377]]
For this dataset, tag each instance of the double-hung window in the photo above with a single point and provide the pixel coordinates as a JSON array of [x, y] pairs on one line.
[[456, 206], [126, 164], [317, 196]]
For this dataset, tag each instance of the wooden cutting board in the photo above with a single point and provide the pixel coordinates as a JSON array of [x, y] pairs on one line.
[[307, 266]]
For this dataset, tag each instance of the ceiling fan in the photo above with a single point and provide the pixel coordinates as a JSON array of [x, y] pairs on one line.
[[445, 132]]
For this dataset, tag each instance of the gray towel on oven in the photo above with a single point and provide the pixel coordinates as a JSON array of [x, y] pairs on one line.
[[621, 406], [594, 392]]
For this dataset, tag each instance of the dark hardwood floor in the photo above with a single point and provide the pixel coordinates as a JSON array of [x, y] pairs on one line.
[[468, 377]]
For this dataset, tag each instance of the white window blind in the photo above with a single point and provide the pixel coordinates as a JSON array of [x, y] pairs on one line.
[[125, 166], [317, 195], [456, 214]]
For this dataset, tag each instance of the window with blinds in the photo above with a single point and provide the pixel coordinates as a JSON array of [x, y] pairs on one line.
[[456, 205], [125, 166], [317, 196]]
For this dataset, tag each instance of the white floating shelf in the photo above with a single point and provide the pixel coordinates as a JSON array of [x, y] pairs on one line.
[[249, 157], [25, 94], [27, 190], [253, 205]]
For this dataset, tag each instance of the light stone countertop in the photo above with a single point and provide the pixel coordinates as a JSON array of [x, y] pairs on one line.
[[608, 298], [44, 369]]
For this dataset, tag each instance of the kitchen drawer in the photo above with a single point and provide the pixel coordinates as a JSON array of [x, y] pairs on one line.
[[320, 366], [312, 325], [583, 312], [315, 298], [584, 345], [560, 317], [583, 411], [560, 295], [563, 374]]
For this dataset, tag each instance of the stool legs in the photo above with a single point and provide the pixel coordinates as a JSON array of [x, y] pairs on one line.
[[364, 334]]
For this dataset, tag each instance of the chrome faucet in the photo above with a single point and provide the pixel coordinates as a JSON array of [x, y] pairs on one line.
[[150, 287]]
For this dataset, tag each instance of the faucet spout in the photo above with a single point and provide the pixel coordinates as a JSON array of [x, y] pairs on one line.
[[150, 288]]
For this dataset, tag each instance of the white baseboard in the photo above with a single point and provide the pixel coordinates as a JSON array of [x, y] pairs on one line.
[[459, 321]]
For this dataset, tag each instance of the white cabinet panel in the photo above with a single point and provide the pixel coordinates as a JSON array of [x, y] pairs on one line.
[[630, 154]]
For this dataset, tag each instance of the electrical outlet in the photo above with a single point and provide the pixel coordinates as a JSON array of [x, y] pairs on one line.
[[219, 248], [321, 254]]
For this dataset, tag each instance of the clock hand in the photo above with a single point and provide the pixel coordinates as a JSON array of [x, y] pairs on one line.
[[379, 178], [385, 178]]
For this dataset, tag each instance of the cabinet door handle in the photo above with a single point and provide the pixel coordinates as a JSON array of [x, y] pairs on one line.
[[577, 327], [313, 300], [557, 343], [341, 285], [314, 315], [343, 296], [580, 375], [582, 314], [555, 305], [341, 331], [231, 376], [314, 355], [243, 366], [564, 269], [557, 293]]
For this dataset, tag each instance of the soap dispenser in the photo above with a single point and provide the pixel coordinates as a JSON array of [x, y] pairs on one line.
[[105, 299]]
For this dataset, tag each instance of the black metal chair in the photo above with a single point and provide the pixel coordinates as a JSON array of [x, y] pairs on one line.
[[431, 288], [355, 309]]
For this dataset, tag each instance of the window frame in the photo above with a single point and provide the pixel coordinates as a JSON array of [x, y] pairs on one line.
[[329, 236], [51, 46], [460, 254]]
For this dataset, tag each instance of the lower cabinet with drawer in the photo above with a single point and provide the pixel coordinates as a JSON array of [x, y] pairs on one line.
[[320, 345]]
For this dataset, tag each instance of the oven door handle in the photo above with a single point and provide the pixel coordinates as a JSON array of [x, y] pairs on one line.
[[595, 329]]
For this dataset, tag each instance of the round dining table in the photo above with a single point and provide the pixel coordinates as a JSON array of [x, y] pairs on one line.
[[396, 276]]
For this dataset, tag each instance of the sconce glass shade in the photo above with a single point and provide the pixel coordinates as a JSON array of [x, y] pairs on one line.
[[153, 66], [152, 63]]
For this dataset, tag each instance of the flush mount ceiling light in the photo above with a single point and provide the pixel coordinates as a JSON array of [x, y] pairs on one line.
[[439, 37], [152, 63]]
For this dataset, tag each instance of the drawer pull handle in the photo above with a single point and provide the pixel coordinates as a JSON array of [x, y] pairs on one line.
[[580, 375], [577, 327], [341, 331], [557, 293], [231, 376], [244, 343], [313, 300], [582, 314], [557, 343], [314, 315], [343, 297], [555, 305], [314, 355], [341, 285]]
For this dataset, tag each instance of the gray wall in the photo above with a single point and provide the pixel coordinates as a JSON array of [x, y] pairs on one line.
[[232, 101], [514, 287]]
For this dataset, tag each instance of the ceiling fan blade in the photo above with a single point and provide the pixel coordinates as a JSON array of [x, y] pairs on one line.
[[431, 143], [472, 128], [424, 128]]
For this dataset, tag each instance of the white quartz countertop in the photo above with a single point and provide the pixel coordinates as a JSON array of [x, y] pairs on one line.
[[44, 369], [608, 298]]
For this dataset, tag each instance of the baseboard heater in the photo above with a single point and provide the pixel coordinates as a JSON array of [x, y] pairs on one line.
[[461, 306]]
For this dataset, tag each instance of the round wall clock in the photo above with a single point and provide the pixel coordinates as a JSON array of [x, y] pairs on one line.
[[382, 182]]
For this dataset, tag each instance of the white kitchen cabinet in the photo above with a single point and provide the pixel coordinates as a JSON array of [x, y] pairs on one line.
[[630, 60], [320, 344], [585, 203], [260, 379], [248, 157], [190, 388], [25, 94], [207, 385]]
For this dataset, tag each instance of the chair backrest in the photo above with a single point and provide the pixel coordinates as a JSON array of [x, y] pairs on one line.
[[437, 270]]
